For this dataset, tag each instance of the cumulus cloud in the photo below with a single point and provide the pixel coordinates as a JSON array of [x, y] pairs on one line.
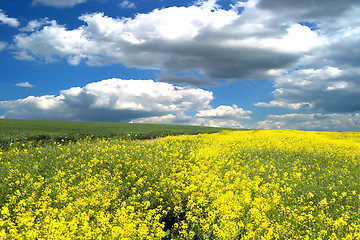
[[222, 116], [111, 100], [35, 25], [252, 40], [53, 42], [319, 122], [330, 89], [227, 112], [165, 119], [57, 3], [220, 44], [5, 19], [255, 42], [327, 76], [118, 100], [44, 107], [24, 84]]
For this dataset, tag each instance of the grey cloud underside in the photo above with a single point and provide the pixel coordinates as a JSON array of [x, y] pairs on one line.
[[109, 115], [329, 93], [111, 100], [79, 114], [207, 52], [345, 52], [212, 60], [118, 100], [219, 62], [73, 110], [308, 9], [331, 102], [338, 22], [192, 80]]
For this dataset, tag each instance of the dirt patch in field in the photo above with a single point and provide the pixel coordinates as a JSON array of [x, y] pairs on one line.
[[151, 140], [158, 139]]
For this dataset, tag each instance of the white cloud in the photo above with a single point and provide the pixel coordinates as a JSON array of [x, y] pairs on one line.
[[222, 116], [318, 122], [29, 106], [24, 84], [191, 120], [255, 43], [215, 42], [173, 23], [35, 25], [58, 3], [227, 112], [139, 95], [111, 100], [298, 39], [13, 22], [165, 119], [140, 101], [54, 42], [327, 76], [283, 104], [219, 123], [127, 4], [329, 88]]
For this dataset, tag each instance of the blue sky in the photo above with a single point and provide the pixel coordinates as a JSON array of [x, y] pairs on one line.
[[279, 64]]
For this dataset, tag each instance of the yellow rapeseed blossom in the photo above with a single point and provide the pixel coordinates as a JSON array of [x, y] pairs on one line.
[[232, 185]]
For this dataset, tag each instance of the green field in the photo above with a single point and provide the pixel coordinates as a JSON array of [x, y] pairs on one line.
[[36, 131]]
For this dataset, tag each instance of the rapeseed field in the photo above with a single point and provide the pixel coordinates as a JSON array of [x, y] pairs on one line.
[[231, 185]]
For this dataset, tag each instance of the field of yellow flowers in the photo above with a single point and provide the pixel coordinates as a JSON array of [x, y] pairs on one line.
[[231, 185]]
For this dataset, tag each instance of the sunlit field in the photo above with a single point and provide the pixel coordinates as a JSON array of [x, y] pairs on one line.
[[42, 132], [229, 185]]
